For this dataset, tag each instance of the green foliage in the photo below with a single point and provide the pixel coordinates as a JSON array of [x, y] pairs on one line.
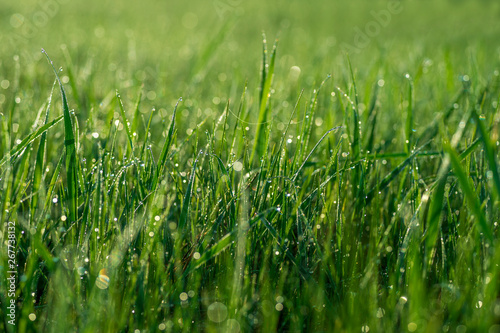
[[321, 191]]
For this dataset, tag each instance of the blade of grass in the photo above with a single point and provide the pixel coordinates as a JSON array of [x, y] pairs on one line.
[[371, 119], [187, 198], [356, 142], [166, 147], [308, 121], [71, 160], [468, 189], [259, 140], [125, 124], [146, 134], [392, 175], [17, 150], [39, 162], [489, 150], [409, 116], [137, 113], [52, 184], [71, 76], [312, 150]]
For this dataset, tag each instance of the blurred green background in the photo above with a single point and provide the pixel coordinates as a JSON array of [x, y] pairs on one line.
[[175, 48]]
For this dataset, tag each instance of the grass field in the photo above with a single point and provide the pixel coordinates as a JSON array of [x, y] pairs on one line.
[[237, 166]]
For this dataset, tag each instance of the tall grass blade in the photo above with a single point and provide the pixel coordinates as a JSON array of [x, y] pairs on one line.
[[52, 184], [260, 138], [187, 199], [392, 175], [489, 150], [356, 142], [468, 189], [137, 114], [40, 159], [71, 160], [409, 116], [17, 150], [126, 124], [166, 148], [313, 150]]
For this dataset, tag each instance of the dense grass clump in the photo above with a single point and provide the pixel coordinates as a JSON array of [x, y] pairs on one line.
[[224, 196]]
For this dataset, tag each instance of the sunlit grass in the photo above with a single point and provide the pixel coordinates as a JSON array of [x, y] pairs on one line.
[[362, 199]]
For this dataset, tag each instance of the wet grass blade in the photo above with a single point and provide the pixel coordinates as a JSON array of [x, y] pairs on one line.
[[313, 150], [356, 142], [409, 116], [71, 76], [40, 157], [166, 148], [371, 119], [392, 175], [146, 135], [69, 144], [468, 189], [431, 130], [303, 272], [28, 140], [308, 121], [187, 199], [259, 140], [125, 124], [229, 239], [52, 184], [137, 114], [435, 207], [489, 150]]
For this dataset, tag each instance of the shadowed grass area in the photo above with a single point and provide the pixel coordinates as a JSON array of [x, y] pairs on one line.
[[185, 179]]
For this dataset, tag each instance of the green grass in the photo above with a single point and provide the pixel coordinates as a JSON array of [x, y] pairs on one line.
[[183, 178]]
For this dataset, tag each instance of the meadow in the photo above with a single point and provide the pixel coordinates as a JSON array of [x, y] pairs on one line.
[[264, 166]]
